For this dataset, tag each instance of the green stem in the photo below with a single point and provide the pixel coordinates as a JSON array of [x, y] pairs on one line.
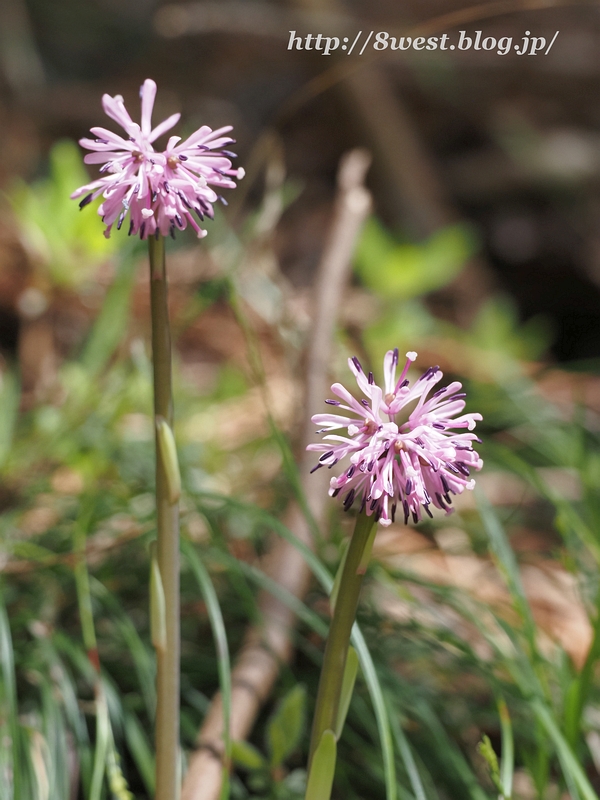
[[336, 649], [167, 678]]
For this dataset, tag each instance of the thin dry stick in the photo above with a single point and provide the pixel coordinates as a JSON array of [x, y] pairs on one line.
[[269, 644]]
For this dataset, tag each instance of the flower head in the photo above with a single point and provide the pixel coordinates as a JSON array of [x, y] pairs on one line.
[[161, 191], [406, 449]]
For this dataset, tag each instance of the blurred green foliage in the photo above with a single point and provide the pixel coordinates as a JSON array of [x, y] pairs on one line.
[[404, 271], [59, 238], [77, 468]]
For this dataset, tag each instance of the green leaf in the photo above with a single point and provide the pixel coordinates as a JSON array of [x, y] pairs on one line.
[[322, 770], [404, 271], [286, 726], [245, 755]]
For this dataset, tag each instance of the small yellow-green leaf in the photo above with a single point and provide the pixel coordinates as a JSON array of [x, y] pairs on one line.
[[158, 618], [322, 769], [286, 726], [348, 681], [168, 452], [245, 755]]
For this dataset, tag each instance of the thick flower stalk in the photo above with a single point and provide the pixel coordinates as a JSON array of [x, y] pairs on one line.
[[407, 448], [160, 191]]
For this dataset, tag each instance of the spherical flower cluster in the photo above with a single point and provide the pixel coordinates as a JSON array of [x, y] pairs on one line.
[[406, 449], [161, 191]]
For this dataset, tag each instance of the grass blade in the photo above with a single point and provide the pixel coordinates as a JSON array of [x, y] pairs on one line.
[[218, 628]]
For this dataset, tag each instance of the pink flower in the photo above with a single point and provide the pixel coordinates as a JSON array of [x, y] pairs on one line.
[[404, 447], [159, 191]]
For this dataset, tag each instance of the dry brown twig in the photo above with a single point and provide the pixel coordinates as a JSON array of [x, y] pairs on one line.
[[269, 644]]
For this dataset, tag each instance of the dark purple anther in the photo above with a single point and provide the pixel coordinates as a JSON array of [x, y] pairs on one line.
[[314, 469], [409, 486], [438, 425], [371, 379], [395, 356], [183, 158], [333, 402], [349, 499], [427, 511], [325, 456], [357, 363], [86, 200], [406, 511]]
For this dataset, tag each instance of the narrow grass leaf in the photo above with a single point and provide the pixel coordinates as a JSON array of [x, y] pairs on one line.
[[508, 749], [12, 756], [408, 758], [569, 763], [140, 749], [224, 663]]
